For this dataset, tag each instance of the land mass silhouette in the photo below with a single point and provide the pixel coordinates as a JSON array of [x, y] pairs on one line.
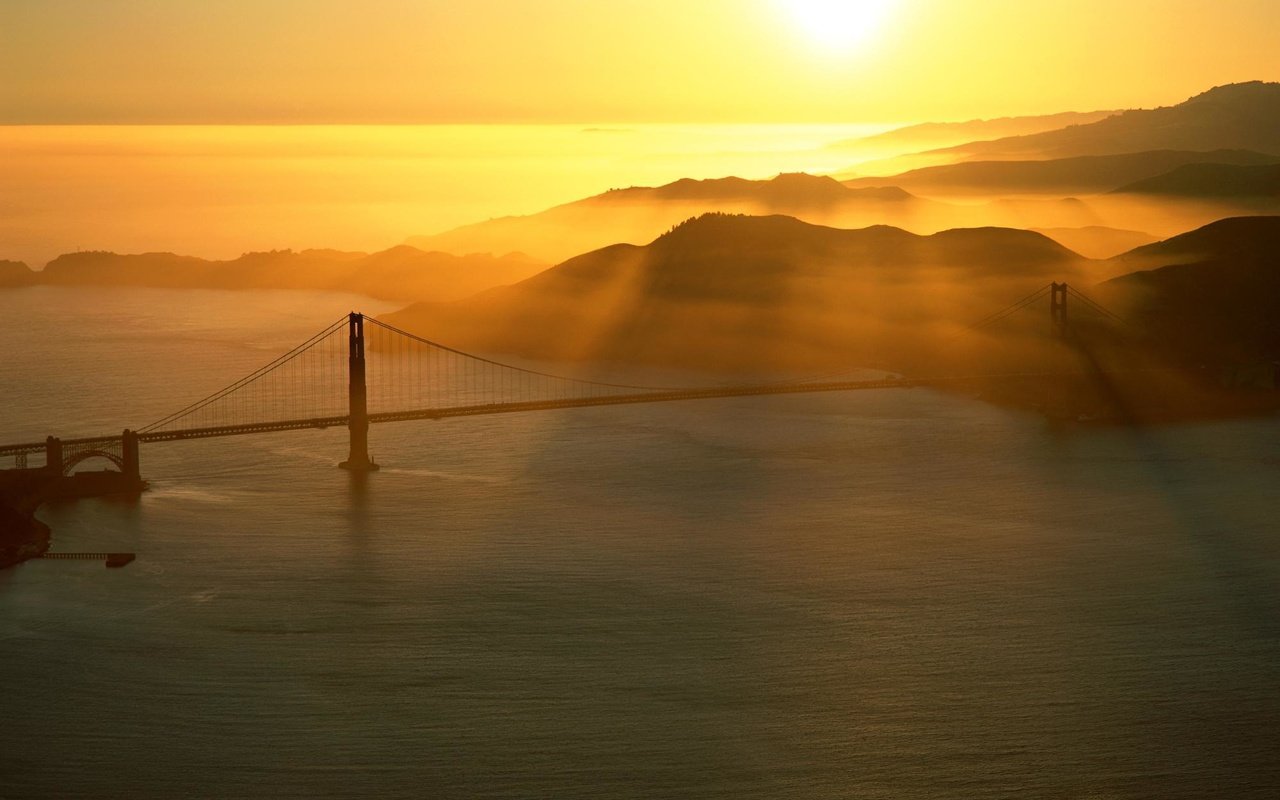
[[400, 273], [731, 291], [1211, 294], [638, 214], [1051, 179], [1213, 181], [1240, 116], [1061, 176], [933, 135]]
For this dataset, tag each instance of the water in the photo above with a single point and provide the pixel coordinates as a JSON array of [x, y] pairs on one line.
[[873, 595]]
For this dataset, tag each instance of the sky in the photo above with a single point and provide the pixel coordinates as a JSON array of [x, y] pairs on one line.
[[616, 61]]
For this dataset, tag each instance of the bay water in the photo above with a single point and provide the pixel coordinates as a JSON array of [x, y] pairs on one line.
[[899, 594]]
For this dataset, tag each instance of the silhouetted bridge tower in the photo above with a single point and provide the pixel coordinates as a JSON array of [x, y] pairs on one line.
[[358, 399], [1058, 309], [360, 371]]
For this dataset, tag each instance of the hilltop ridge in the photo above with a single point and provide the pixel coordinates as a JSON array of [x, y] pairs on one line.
[[724, 290], [400, 273], [1240, 116]]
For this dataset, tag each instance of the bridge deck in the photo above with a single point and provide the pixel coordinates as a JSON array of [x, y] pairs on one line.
[[484, 410], [537, 405]]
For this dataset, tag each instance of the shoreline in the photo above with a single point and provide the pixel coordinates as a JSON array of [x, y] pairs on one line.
[[33, 542], [22, 492], [24, 537]]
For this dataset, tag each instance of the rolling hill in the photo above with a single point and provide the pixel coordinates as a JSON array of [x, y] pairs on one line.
[[932, 135], [1211, 294], [15, 273], [639, 214], [1241, 116], [1059, 177], [737, 292], [1213, 182]]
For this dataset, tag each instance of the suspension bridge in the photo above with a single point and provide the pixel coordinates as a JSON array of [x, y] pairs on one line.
[[360, 371]]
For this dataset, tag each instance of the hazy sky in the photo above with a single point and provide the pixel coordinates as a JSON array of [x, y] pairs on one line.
[[616, 60]]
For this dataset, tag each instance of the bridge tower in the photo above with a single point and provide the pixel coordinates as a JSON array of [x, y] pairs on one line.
[[132, 464], [53, 456], [1058, 310], [357, 400]]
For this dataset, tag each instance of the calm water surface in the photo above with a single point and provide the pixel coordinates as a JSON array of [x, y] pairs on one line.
[[877, 595]]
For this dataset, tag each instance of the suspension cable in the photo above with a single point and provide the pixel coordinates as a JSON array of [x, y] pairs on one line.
[[275, 364], [491, 362]]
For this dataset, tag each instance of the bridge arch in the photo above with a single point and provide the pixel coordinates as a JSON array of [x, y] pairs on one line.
[[76, 459]]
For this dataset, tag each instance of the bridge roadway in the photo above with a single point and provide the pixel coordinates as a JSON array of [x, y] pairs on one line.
[[497, 408]]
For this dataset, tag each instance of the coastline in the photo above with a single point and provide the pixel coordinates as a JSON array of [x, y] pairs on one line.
[[22, 536], [23, 491]]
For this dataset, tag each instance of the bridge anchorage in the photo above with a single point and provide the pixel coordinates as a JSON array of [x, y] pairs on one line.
[[360, 371]]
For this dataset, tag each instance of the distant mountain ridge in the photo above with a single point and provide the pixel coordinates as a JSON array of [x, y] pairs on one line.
[[1031, 181], [1212, 181], [1241, 116], [935, 134], [639, 214], [1063, 176], [400, 273], [1238, 236]]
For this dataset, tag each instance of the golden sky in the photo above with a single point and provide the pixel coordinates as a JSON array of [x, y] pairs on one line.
[[426, 61]]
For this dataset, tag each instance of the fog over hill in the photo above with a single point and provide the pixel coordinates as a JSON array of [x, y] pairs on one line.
[[1052, 179], [929, 135], [638, 214], [1241, 116], [1064, 176], [1097, 241], [736, 292], [1212, 292], [1213, 182]]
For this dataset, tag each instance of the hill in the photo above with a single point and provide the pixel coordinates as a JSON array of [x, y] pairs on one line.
[[932, 135], [731, 292], [401, 273], [15, 273], [1213, 182], [1210, 294], [639, 214], [1242, 116], [1097, 241], [1063, 176], [1228, 238]]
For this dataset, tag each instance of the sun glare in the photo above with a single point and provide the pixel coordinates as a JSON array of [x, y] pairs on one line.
[[838, 25]]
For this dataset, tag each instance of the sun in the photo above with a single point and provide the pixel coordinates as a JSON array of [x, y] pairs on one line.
[[838, 25]]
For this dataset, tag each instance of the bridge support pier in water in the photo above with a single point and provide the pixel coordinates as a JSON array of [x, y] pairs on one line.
[[357, 401], [132, 464], [53, 457]]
